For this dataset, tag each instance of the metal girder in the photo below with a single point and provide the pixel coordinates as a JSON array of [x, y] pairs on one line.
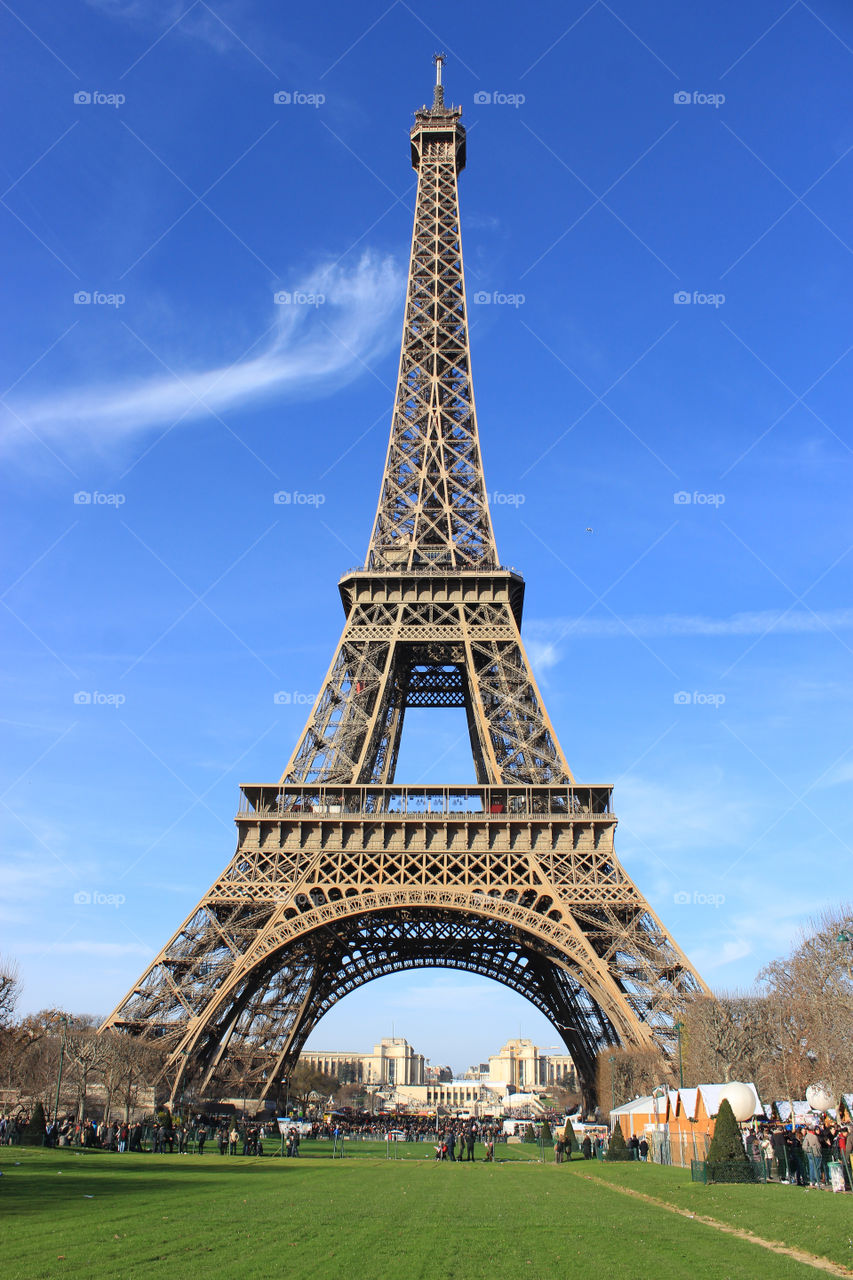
[[341, 876]]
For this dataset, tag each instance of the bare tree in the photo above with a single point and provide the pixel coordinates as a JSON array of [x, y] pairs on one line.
[[31, 1053], [305, 1080], [10, 991], [623, 1074], [812, 993], [731, 1036], [86, 1055], [128, 1064]]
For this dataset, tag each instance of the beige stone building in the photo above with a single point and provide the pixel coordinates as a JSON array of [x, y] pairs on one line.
[[468, 1096], [392, 1063], [521, 1066]]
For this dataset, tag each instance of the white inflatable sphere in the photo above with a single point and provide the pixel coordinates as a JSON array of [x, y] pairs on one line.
[[819, 1098], [741, 1099]]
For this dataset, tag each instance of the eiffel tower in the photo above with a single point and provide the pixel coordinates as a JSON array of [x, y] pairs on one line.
[[342, 874]]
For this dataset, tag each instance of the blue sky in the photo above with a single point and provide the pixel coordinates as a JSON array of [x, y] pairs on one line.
[[627, 156]]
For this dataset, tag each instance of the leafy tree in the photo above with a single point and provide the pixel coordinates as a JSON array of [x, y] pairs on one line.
[[726, 1144], [33, 1132]]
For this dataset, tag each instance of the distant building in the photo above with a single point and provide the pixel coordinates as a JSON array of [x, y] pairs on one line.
[[466, 1096], [523, 1067], [393, 1062], [438, 1075]]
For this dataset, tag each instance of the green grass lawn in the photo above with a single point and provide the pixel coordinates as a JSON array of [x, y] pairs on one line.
[[67, 1213]]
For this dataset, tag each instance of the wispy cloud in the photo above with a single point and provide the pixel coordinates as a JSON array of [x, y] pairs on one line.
[[709, 959], [547, 632], [85, 947], [312, 350]]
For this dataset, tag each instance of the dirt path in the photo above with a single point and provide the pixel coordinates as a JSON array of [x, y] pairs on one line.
[[775, 1246]]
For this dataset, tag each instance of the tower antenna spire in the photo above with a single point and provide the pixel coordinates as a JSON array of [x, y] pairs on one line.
[[438, 93]]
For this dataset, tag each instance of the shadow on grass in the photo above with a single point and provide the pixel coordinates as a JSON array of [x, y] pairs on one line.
[[37, 1181]]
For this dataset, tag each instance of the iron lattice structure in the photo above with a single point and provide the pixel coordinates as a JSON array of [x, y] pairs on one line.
[[341, 875]]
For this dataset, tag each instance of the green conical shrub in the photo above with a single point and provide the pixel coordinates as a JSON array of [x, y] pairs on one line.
[[545, 1132], [32, 1134], [529, 1135], [569, 1137], [726, 1143], [618, 1148]]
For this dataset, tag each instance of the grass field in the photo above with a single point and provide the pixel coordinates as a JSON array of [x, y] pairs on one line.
[[67, 1213]]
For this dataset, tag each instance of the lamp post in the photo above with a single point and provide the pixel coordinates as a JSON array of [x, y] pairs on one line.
[[185, 1053], [64, 1021], [657, 1145], [679, 1027]]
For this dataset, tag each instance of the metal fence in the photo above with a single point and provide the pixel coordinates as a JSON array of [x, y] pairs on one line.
[[747, 1170]]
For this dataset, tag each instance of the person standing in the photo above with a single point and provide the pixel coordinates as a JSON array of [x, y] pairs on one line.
[[451, 1145], [812, 1151], [469, 1142], [201, 1138], [559, 1148]]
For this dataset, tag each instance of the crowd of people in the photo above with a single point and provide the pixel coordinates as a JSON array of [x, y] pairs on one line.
[[243, 1136], [801, 1155]]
